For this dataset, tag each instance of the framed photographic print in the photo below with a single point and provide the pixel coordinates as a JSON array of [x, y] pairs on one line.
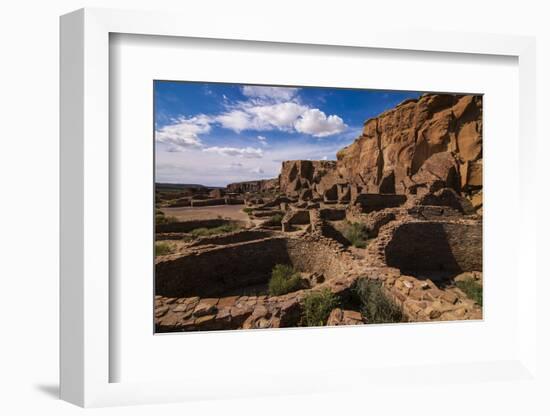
[[292, 208], [302, 206]]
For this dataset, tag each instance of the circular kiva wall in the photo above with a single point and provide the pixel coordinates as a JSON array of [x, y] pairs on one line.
[[436, 246], [215, 271]]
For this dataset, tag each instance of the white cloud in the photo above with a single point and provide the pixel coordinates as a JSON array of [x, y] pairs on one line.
[[235, 165], [316, 123], [270, 93], [184, 133], [257, 170], [246, 152], [324, 158], [267, 109], [236, 120], [249, 116], [285, 116], [281, 116]]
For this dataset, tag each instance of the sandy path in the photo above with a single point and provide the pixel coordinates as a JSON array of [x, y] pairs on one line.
[[233, 212]]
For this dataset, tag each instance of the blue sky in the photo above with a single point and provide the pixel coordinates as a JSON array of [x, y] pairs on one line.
[[215, 134]]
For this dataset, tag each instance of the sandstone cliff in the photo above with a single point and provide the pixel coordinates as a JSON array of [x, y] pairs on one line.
[[393, 148], [422, 145]]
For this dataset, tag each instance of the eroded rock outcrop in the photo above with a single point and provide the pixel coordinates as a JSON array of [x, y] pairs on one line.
[[435, 138]]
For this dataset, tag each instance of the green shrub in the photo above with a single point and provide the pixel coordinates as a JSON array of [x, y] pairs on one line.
[[161, 218], [317, 307], [284, 279], [275, 219], [206, 232], [375, 305], [356, 233], [161, 249], [248, 210], [472, 289]]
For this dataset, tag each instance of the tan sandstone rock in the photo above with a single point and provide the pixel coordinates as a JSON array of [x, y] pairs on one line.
[[399, 141], [345, 317]]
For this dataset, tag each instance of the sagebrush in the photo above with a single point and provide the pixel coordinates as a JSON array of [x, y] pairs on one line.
[[356, 233], [375, 306], [284, 279], [472, 289], [317, 307], [161, 249]]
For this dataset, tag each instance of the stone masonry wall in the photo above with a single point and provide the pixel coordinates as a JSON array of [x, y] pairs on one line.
[[436, 246], [215, 271]]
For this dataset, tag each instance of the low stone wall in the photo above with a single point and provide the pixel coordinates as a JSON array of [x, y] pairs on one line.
[[216, 271], [295, 217], [186, 226], [427, 212], [375, 202], [333, 214], [207, 202], [309, 255], [421, 300], [231, 238], [240, 312], [261, 213], [182, 202], [234, 201], [436, 246]]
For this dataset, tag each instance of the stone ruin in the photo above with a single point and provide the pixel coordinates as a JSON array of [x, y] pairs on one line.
[[412, 179]]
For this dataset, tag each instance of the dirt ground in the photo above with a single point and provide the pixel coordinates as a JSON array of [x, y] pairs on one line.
[[233, 212]]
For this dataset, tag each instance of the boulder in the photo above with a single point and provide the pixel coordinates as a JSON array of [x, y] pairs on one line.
[[439, 170]]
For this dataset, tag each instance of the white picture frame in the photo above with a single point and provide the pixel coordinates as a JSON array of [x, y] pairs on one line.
[[86, 356]]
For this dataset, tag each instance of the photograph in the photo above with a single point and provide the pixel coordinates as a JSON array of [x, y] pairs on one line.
[[298, 206]]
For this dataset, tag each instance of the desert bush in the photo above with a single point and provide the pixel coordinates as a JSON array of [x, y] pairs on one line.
[[317, 307], [472, 289], [356, 233], [161, 218], [161, 249], [275, 219], [375, 305], [284, 279], [222, 229], [248, 210]]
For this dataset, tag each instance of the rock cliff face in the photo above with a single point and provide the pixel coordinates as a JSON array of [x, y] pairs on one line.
[[420, 146], [397, 150], [299, 177]]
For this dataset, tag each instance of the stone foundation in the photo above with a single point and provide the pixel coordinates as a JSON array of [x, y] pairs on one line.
[[214, 271], [375, 202], [436, 246]]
